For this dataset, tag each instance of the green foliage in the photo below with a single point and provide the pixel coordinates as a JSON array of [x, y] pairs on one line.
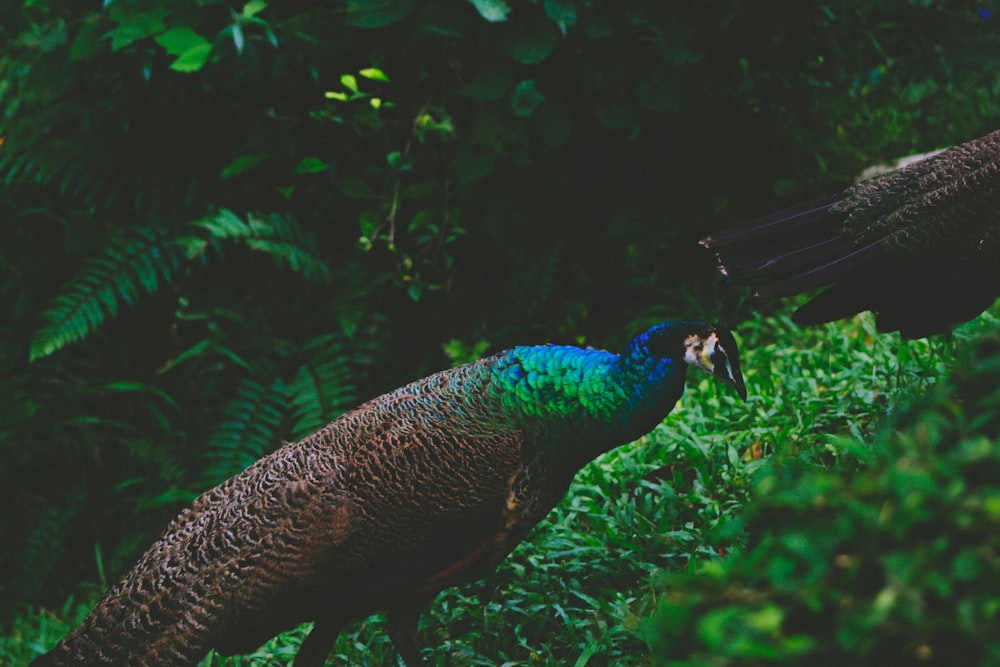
[[224, 224], [129, 266], [250, 427], [892, 563], [29, 636], [278, 236], [324, 386], [147, 258]]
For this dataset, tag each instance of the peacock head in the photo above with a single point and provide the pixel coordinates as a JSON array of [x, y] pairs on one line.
[[706, 346]]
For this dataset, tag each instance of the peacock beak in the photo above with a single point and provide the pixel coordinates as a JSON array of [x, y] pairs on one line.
[[727, 369], [736, 379]]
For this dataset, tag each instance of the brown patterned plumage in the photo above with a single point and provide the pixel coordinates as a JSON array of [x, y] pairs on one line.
[[425, 487], [919, 246]]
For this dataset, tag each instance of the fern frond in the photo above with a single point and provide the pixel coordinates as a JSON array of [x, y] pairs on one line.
[[325, 385], [251, 426], [322, 388], [294, 257], [132, 264], [41, 548], [224, 225], [279, 236]]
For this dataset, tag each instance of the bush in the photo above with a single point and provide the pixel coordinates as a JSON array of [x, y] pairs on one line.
[[895, 563]]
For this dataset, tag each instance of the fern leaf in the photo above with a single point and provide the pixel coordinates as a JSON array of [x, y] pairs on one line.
[[250, 427], [224, 225], [294, 257], [132, 264], [279, 236], [322, 388], [38, 555]]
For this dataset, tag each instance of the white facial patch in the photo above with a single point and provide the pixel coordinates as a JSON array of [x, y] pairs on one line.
[[698, 351]]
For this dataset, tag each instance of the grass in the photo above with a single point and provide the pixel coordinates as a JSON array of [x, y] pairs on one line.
[[576, 591]]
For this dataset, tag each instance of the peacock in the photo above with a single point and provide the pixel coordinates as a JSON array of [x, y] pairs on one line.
[[425, 487], [919, 246]]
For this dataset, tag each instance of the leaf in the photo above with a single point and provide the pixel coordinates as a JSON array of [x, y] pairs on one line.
[[494, 129], [493, 11], [192, 49], [377, 13], [562, 13], [311, 165], [490, 85], [374, 74], [355, 188], [459, 352], [293, 256], [132, 264], [319, 394], [399, 162], [133, 23], [193, 60], [422, 218], [253, 8], [530, 42], [276, 235], [350, 82], [618, 117], [250, 428], [427, 124], [324, 385], [444, 19], [525, 98], [180, 40], [243, 163], [88, 43], [238, 39], [322, 388], [471, 164]]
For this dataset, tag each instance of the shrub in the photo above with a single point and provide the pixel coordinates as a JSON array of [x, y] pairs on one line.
[[896, 563]]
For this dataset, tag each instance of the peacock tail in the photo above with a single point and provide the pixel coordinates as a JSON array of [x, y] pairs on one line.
[[919, 247]]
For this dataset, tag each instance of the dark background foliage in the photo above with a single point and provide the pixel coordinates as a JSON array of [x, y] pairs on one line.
[[225, 223]]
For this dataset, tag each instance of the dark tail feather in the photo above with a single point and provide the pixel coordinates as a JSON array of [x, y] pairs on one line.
[[807, 274], [789, 252], [775, 224]]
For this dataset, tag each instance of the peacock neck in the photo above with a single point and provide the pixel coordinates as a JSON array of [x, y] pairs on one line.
[[587, 401]]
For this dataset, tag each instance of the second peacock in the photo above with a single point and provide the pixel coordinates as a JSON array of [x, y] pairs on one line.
[[425, 487], [919, 246]]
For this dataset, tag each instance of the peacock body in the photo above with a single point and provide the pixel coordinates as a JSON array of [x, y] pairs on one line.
[[919, 246], [428, 486]]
